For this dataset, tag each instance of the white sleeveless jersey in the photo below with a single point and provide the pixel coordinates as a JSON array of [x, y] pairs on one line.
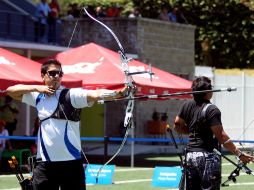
[[58, 139]]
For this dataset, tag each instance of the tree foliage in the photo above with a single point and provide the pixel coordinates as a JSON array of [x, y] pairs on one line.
[[150, 8], [224, 33]]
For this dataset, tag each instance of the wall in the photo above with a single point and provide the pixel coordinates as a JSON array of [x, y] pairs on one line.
[[168, 46], [237, 106]]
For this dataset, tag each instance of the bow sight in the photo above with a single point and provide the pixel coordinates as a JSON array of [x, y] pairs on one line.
[[125, 61]]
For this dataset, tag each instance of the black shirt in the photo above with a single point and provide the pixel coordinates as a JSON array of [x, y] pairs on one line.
[[201, 137]]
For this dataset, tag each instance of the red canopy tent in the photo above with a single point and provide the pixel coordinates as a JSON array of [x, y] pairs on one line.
[[15, 69], [100, 67]]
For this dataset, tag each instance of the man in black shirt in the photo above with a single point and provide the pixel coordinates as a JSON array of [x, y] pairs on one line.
[[201, 120]]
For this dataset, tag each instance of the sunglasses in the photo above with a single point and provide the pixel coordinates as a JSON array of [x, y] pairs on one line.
[[55, 73]]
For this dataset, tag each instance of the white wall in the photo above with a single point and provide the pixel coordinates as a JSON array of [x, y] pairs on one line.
[[236, 107]]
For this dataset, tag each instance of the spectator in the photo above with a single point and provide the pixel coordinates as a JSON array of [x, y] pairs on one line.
[[3, 142], [172, 15], [176, 15], [164, 14], [40, 24], [52, 20], [114, 11], [100, 12], [69, 13], [75, 12], [9, 111], [180, 17], [135, 13]]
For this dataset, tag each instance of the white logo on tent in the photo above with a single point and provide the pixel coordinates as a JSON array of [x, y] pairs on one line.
[[82, 67], [5, 61]]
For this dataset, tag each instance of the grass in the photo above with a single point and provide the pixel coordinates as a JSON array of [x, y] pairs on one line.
[[127, 178]]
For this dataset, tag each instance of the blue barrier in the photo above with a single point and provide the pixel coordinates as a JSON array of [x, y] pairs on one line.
[[115, 139], [18, 137], [102, 139], [149, 139], [92, 138]]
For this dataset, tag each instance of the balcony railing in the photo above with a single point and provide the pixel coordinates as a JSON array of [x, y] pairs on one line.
[[20, 27]]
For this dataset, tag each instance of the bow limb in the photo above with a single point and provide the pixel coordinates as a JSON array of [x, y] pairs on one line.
[[104, 25]]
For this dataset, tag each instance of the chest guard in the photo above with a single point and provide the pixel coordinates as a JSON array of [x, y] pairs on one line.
[[64, 109]]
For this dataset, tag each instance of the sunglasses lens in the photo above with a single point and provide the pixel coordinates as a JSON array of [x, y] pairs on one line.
[[55, 73]]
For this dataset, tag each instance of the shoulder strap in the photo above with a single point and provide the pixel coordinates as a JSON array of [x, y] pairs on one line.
[[203, 112], [64, 109], [64, 96], [202, 118], [61, 98]]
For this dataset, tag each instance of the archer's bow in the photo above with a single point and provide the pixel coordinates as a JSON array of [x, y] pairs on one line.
[[128, 120]]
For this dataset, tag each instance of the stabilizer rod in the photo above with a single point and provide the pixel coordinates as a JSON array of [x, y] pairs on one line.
[[156, 96]]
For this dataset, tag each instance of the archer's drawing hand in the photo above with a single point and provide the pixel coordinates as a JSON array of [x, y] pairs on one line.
[[48, 90]]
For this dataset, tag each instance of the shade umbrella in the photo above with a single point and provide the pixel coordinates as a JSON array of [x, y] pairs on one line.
[[99, 67]]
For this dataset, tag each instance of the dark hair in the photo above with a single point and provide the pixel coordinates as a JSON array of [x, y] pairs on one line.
[[46, 64], [201, 83]]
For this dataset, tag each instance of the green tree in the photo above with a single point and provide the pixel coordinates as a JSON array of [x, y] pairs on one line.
[[150, 8], [224, 34]]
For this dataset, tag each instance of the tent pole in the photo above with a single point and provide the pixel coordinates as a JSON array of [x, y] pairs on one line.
[[28, 120], [28, 54]]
